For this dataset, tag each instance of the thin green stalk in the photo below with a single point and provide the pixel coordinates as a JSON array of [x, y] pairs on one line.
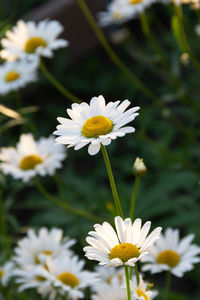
[[3, 228], [112, 181], [183, 38], [167, 285], [127, 283], [112, 55], [133, 198], [64, 205], [137, 274], [57, 84]]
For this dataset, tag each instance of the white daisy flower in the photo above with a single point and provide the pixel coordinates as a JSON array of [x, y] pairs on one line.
[[6, 272], [142, 290], [125, 247], [31, 158], [15, 75], [95, 124], [32, 39], [111, 289], [34, 249], [171, 253], [62, 275], [120, 11], [106, 275], [117, 13]]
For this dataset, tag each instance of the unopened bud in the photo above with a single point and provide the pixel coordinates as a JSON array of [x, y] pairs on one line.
[[185, 58], [139, 167]]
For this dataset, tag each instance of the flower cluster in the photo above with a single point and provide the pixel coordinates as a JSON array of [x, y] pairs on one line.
[[22, 48]]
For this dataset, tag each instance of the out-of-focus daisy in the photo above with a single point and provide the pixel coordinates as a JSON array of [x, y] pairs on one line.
[[95, 124], [120, 11], [6, 272], [34, 249], [142, 290], [31, 157], [106, 276], [62, 275], [117, 12], [111, 289], [171, 253], [15, 75], [32, 39], [125, 247]]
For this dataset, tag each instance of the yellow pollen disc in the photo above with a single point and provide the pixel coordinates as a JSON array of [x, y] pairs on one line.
[[117, 15], [96, 126], [29, 162], [1, 273], [11, 76], [68, 279], [168, 257], [135, 1], [40, 278], [142, 294], [124, 251], [33, 43]]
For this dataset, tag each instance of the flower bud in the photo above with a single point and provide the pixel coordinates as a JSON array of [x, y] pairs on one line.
[[139, 167]]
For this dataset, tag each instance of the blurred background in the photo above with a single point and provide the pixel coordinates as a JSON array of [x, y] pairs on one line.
[[167, 129]]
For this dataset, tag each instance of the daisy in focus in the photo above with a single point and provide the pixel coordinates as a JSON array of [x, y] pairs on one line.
[[95, 124], [142, 290], [125, 246], [29, 38], [34, 249], [121, 11], [6, 272], [62, 276], [17, 74], [31, 158], [172, 254]]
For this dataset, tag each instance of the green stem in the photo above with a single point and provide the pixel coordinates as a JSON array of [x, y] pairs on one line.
[[167, 286], [183, 38], [57, 84], [112, 181], [133, 198], [3, 228], [137, 274], [127, 283], [112, 55], [5, 293], [64, 205]]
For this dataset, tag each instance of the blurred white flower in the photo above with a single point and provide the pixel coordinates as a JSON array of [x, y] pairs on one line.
[[142, 290], [95, 124], [125, 247], [15, 75], [32, 39], [31, 158], [61, 276], [120, 11], [6, 272], [171, 253], [34, 249]]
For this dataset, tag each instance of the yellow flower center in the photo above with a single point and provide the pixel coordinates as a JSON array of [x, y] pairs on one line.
[[11, 76], [68, 279], [117, 15], [96, 126], [168, 257], [40, 278], [135, 1], [33, 43], [29, 162], [1, 273], [37, 261], [142, 294], [124, 251]]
